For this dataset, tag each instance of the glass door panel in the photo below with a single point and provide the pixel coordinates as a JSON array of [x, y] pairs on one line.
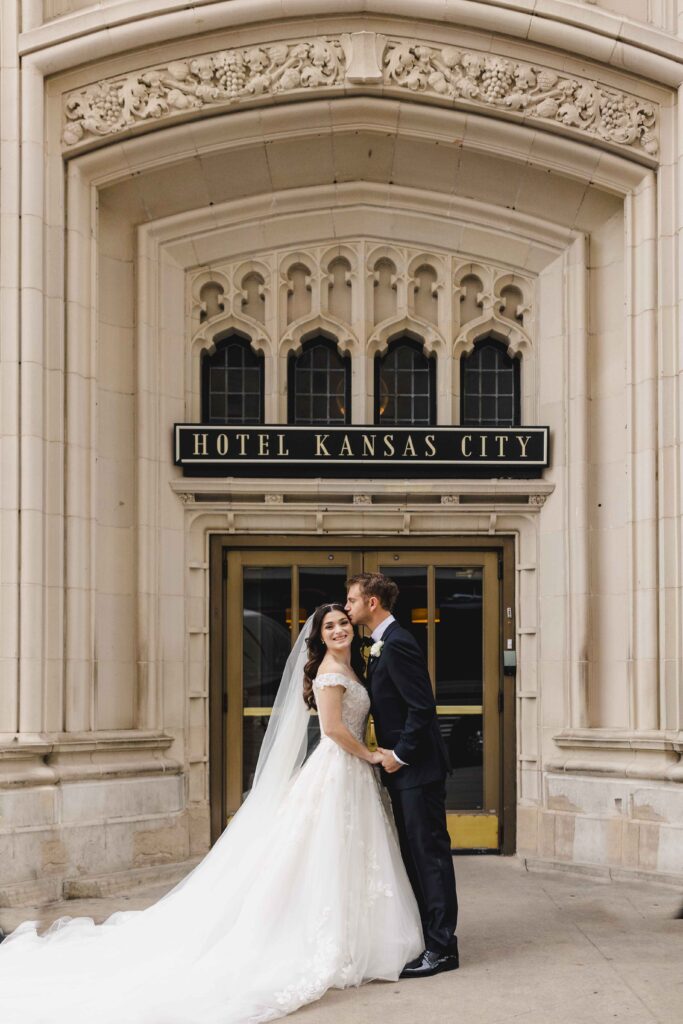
[[270, 596], [458, 680], [411, 607], [450, 602], [266, 643]]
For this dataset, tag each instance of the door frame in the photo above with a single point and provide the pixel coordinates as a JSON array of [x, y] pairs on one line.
[[222, 543]]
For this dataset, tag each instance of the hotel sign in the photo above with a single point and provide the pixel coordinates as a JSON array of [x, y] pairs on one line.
[[203, 449]]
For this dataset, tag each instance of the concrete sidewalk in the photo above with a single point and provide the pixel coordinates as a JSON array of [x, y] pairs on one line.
[[535, 949]]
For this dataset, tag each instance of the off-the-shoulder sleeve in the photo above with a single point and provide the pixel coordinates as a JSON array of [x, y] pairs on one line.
[[331, 679]]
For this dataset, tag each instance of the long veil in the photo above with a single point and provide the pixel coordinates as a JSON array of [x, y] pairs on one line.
[[127, 968]]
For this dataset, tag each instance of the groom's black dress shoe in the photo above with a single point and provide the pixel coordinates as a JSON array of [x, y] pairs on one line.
[[429, 963]]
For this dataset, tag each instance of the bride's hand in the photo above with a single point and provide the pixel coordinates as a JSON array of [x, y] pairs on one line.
[[375, 757]]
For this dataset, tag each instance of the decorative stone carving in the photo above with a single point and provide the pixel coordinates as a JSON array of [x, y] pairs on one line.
[[450, 499], [537, 499], [281, 296], [473, 78], [362, 499], [577, 103], [117, 104], [273, 499]]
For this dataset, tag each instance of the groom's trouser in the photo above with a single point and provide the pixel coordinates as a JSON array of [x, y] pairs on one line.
[[426, 850]]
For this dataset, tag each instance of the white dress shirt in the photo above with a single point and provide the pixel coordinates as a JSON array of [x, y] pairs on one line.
[[378, 631], [377, 634]]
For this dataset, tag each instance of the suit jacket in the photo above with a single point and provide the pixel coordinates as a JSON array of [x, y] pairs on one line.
[[404, 712]]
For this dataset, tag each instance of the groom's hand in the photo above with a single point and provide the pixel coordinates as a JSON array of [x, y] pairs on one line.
[[389, 762]]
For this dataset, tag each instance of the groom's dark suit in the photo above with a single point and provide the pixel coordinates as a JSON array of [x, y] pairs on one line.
[[405, 720]]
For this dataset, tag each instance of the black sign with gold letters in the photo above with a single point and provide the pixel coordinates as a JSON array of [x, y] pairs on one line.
[[209, 450]]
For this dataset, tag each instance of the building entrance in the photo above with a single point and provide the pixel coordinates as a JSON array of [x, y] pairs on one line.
[[452, 602]]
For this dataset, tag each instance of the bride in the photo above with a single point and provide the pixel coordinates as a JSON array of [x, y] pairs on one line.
[[304, 891]]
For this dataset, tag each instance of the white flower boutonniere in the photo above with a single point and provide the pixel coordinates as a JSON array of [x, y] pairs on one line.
[[376, 648]]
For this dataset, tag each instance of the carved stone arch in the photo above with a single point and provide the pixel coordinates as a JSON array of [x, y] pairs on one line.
[[199, 283], [473, 269], [510, 334], [311, 303], [485, 297], [242, 272], [429, 303], [336, 252], [292, 259], [418, 330], [428, 259], [332, 304], [386, 252], [246, 267], [523, 286], [327, 326], [385, 296], [203, 340]]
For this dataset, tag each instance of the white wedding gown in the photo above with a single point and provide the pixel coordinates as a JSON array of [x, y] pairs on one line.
[[309, 894]]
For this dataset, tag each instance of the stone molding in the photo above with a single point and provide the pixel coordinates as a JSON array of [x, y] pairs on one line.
[[417, 495], [46, 759], [581, 104], [466, 78]]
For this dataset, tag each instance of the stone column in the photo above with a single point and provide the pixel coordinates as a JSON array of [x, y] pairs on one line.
[[32, 474], [9, 370], [641, 297], [577, 398], [80, 455]]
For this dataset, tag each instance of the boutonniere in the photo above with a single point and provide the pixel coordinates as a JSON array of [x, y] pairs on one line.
[[376, 648]]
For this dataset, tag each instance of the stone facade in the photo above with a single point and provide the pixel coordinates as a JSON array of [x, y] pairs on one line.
[[451, 168]]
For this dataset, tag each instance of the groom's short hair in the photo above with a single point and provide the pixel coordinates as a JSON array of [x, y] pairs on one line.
[[376, 584]]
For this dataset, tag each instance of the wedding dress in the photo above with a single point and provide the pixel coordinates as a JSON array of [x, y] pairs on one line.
[[304, 891]]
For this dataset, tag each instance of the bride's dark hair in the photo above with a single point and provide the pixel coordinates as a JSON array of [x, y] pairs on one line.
[[317, 651]]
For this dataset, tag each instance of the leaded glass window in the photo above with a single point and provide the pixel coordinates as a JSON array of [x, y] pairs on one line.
[[405, 385], [489, 386], [319, 382], [232, 382]]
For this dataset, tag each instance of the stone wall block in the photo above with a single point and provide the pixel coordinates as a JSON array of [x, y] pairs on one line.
[[158, 843], [527, 829], [648, 851], [546, 839], [123, 798]]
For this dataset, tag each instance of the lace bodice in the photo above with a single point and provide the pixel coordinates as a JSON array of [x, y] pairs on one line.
[[355, 701]]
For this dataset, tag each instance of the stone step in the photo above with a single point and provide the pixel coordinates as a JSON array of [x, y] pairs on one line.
[[41, 892], [122, 882]]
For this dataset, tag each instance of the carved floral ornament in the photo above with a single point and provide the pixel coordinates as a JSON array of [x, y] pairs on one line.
[[463, 77]]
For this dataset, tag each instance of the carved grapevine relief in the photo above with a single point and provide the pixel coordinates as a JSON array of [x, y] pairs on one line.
[[535, 92], [117, 104], [233, 76]]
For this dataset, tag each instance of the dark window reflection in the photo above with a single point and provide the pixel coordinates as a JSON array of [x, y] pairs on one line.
[[458, 631], [405, 385], [464, 737], [232, 382], [319, 384], [267, 637], [320, 585], [459, 680], [411, 607], [490, 388]]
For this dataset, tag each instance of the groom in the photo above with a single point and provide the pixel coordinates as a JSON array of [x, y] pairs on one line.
[[414, 766]]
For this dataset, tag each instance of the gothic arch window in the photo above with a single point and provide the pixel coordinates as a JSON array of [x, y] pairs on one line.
[[232, 381], [489, 386], [405, 385], [319, 384]]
